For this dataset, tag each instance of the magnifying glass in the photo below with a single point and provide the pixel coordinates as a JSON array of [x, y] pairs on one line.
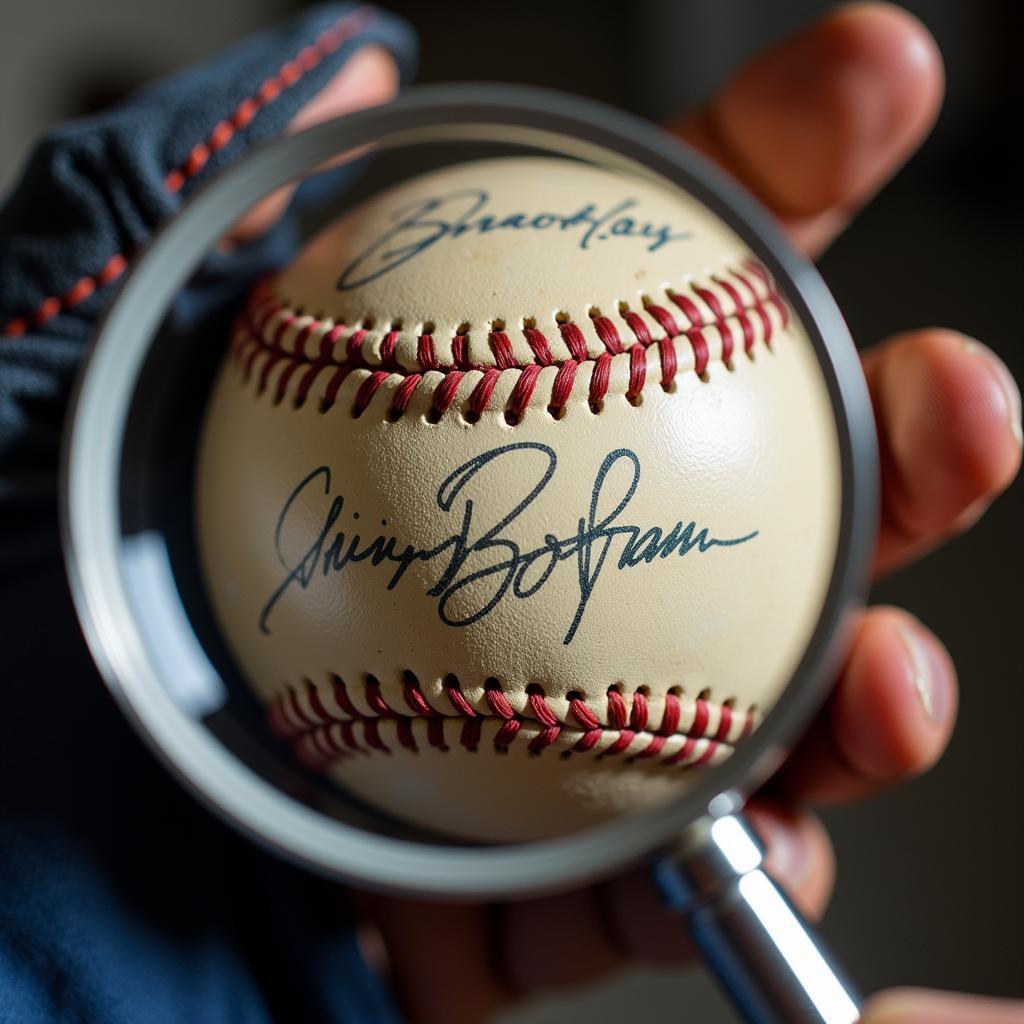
[[194, 524]]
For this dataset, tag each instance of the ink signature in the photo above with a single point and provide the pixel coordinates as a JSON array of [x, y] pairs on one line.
[[479, 564], [422, 224]]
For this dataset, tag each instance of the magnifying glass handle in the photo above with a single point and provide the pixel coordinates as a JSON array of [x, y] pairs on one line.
[[768, 959]]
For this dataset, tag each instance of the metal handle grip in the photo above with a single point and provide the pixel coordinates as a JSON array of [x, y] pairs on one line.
[[771, 964]]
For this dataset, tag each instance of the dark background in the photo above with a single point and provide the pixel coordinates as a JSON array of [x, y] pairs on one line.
[[928, 887]]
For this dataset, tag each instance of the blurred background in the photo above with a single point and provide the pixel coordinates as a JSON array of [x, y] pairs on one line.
[[928, 889]]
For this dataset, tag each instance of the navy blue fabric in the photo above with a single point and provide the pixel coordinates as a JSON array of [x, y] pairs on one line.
[[121, 899]]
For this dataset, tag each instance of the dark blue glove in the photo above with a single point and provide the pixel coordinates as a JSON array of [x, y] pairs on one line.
[[122, 900]]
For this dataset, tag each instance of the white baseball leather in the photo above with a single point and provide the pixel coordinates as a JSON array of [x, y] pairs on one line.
[[541, 659]]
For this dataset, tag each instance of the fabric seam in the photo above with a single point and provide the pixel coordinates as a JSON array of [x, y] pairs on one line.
[[331, 39]]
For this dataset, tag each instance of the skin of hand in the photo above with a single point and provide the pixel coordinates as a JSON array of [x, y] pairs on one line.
[[813, 126]]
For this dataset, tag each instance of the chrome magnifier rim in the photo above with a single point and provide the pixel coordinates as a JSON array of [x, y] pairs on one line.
[[92, 528]]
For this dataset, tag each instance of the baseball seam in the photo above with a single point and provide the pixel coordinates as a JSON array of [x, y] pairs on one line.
[[325, 725], [283, 349]]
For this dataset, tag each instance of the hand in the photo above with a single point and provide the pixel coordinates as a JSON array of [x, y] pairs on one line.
[[908, 1006], [813, 127]]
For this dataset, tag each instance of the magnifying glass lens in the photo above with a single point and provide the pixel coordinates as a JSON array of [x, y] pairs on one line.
[[502, 536], [502, 532], [518, 496]]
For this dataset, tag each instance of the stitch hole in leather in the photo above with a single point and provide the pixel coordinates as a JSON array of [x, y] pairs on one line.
[[636, 400], [324, 405], [471, 416], [556, 412], [513, 419], [393, 414], [366, 324], [432, 416], [596, 407], [427, 327]]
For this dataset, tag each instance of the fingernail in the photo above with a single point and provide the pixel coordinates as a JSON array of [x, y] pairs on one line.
[[1009, 386], [787, 856], [928, 673]]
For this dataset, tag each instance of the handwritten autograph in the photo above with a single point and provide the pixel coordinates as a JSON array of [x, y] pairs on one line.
[[480, 564], [424, 223]]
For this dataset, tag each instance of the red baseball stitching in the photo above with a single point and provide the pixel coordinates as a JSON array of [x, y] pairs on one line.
[[326, 43], [271, 338], [326, 727]]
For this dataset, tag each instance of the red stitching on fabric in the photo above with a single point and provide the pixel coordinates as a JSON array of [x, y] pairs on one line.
[[322, 734], [267, 327], [328, 42]]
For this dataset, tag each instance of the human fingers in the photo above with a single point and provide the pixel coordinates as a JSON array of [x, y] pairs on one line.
[[948, 416], [818, 122], [512, 950], [917, 1006], [369, 79], [580, 936], [889, 718]]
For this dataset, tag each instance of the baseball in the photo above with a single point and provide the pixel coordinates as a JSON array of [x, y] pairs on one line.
[[518, 496]]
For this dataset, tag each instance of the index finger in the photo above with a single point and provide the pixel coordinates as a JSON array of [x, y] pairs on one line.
[[817, 123]]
